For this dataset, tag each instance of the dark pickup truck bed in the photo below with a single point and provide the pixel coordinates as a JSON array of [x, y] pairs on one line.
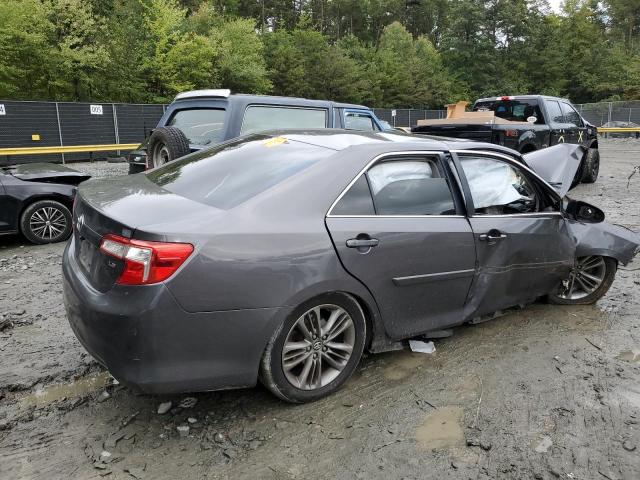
[[525, 123]]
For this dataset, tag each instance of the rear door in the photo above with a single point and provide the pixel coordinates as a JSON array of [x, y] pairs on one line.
[[400, 230], [522, 242], [561, 131]]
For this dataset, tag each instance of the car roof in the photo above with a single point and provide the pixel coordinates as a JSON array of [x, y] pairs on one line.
[[262, 99], [338, 139]]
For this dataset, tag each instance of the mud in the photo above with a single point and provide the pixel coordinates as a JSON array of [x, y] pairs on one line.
[[545, 392]]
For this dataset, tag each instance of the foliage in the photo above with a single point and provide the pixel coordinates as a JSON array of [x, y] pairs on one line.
[[393, 53]]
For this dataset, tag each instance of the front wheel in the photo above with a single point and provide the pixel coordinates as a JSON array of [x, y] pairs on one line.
[[589, 280], [46, 221], [591, 166], [315, 350]]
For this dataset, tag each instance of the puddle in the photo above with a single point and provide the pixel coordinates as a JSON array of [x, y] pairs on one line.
[[404, 364], [632, 356], [442, 429], [79, 388], [541, 444]]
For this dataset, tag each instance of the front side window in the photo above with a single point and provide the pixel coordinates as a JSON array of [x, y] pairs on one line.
[[498, 188], [266, 117], [571, 115], [359, 121], [201, 126], [555, 114], [399, 187]]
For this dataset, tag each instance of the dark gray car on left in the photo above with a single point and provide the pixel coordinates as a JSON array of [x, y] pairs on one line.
[[282, 256]]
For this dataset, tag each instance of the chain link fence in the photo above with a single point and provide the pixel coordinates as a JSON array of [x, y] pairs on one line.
[[60, 124], [611, 114]]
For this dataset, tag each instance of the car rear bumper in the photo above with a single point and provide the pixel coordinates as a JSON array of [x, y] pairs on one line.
[[148, 342]]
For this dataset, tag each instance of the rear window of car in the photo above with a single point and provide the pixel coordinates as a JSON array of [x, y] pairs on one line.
[[513, 110], [229, 174], [202, 126], [263, 117]]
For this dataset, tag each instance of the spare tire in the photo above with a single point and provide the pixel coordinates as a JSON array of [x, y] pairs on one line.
[[167, 144]]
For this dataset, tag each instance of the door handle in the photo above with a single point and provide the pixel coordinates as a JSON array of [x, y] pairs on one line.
[[492, 235], [362, 242]]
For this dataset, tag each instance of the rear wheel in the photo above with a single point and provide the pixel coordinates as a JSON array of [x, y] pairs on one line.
[[589, 280], [591, 166], [167, 144], [46, 221], [315, 350]]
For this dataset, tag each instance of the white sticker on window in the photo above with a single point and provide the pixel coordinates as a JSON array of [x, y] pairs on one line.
[[96, 109]]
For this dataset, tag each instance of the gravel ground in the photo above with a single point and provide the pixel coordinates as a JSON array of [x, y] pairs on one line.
[[545, 392]]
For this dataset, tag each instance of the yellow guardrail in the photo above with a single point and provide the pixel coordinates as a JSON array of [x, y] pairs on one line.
[[618, 129], [73, 149]]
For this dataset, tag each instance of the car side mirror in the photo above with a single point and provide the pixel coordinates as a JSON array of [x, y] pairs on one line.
[[584, 212]]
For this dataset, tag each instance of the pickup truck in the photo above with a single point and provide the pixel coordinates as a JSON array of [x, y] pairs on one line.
[[525, 123], [203, 118]]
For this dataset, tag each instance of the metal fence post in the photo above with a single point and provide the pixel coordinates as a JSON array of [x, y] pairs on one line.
[[59, 130], [610, 108], [115, 126]]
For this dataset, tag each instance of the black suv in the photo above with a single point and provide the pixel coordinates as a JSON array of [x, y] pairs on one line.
[[203, 118]]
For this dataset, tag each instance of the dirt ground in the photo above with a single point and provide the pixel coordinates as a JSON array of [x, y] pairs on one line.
[[545, 392]]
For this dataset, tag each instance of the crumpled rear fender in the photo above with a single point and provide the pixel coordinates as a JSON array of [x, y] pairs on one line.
[[605, 239]]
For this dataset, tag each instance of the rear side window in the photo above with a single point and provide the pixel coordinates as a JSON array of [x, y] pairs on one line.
[[202, 126], [571, 115], [399, 187], [513, 110], [232, 173], [359, 121], [555, 114], [263, 117]]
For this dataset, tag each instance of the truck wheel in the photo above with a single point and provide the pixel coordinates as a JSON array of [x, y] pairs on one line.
[[591, 166], [167, 144]]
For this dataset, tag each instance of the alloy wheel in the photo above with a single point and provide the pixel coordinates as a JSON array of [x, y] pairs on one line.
[[318, 347], [585, 278], [47, 223]]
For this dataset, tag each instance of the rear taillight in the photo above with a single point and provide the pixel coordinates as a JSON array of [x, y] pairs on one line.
[[145, 262]]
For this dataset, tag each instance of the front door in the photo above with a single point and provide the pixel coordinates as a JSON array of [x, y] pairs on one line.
[[560, 130], [522, 243], [399, 231], [578, 128]]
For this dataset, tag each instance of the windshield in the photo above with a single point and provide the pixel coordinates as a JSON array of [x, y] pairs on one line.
[[202, 126], [232, 173], [513, 110]]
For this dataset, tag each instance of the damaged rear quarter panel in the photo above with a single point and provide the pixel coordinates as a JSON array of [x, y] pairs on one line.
[[604, 239]]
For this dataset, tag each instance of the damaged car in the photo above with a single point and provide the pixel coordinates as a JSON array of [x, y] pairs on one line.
[[36, 201], [282, 256]]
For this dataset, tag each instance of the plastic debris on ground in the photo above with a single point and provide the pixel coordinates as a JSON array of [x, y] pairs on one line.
[[419, 346]]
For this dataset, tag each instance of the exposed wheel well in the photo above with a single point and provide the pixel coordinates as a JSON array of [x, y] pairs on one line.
[[368, 317]]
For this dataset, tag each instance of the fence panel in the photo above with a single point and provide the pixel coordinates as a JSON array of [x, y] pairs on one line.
[[135, 122], [81, 127], [21, 125]]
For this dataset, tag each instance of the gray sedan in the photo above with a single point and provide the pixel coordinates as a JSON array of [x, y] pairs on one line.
[[282, 256]]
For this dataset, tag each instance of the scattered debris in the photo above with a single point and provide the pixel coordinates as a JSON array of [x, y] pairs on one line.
[[419, 346], [628, 445], [164, 408], [183, 430], [104, 396], [542, 444], [218, 438], [188, 402], [593, 344], [192, 420]]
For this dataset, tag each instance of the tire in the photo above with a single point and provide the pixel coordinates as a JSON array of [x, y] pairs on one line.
[[166, 144], [591, 166], [136, 168], [597, 266], [33, 222], [282, 382]]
